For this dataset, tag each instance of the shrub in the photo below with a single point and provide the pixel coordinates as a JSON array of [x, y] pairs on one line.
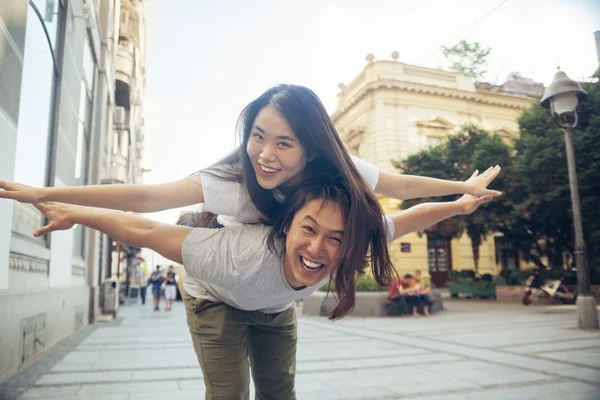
[[513, 277], [364, 283], [327, 286], [454, 276], [468, 274]]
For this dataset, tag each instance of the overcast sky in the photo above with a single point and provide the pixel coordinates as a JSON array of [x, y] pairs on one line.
[[207, 59]]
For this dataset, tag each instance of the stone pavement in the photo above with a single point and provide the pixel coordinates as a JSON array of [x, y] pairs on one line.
[[473, 350]]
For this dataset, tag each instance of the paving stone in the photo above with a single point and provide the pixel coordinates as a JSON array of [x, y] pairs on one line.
[[50, 392], [84, 377], [166, 374], [431, 387], [541, 348], [588, 374], [175, 395], [133, 387], [121, 396]]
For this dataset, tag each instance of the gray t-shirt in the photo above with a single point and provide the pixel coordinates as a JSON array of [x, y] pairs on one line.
[[233, 265], [232, 199]]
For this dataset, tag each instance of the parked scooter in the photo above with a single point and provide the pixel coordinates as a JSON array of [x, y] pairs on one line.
[[553, 288]]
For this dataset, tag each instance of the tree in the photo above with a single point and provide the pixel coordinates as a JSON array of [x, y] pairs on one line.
[[468, 58], [471, 148], [490, 150], [474, 148], [432, 163], [542, 222]]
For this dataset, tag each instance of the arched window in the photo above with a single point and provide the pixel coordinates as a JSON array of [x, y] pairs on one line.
[[36, 106]]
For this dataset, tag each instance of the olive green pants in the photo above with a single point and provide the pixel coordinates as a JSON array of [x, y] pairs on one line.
[[228, 341]]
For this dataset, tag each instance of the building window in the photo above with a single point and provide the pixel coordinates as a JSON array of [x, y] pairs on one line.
[[439, 260], [124, 143], [36, 109], [432, 141], [82, 148]]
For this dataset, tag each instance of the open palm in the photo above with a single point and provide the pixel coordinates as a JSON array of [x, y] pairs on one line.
[[58, 215], [470, 203], [477, 184]]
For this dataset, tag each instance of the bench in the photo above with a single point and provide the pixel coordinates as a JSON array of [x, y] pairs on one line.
[[368, 304]]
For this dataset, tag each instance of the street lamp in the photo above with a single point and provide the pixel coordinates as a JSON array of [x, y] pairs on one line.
[[562, 97]]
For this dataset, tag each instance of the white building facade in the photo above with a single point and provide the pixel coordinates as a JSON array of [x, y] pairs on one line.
[[61, 85]]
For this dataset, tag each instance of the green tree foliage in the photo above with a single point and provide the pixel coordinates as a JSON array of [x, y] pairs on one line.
[[469, 58], [535, 211], [542, 221], [471, 148], [433, 163]]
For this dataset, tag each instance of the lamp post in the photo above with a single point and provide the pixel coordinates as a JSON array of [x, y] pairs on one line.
[[562, 97]]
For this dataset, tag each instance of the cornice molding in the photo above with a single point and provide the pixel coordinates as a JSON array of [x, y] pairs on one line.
[[482, 97], [22, 263]]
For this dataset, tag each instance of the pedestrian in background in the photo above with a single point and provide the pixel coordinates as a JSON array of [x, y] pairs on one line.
[[170, 288], [142, 281], [156, 279]]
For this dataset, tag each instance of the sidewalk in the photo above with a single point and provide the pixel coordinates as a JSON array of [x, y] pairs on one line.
[[473, 350]]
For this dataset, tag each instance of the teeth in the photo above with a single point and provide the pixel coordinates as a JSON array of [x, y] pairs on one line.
[[310, 264], [268, 170]]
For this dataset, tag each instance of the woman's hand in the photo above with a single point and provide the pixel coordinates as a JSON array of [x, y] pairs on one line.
[[60, 217], [469, 203], [477, 184], [20, 192]]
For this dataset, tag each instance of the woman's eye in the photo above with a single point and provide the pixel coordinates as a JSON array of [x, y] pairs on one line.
[[284, 144], [257, 136], [336, 240]]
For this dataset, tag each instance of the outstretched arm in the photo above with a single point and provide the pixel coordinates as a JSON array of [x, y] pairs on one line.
[[130, 229], [424, 215], [137, 198], [406, 187]]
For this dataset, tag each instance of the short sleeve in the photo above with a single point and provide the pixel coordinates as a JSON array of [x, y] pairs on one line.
[[229, 198], [368, 171], [391, 228]]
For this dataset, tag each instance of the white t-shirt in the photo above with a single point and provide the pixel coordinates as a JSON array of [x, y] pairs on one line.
[[232, 199]]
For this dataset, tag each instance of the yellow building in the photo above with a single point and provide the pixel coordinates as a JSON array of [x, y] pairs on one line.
[[391, 110]]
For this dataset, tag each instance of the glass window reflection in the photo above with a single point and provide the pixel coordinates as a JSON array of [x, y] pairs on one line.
[[35, 111]]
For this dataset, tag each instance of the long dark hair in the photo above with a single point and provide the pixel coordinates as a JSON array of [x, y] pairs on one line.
[[360, 243], [315, 131]]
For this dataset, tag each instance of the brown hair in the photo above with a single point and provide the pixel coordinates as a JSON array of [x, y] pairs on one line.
[[364, 237], [316, 133], [194, 219]]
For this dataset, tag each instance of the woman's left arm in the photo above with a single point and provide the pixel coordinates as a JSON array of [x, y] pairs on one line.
[[422, 216], [406, 187], [126, 228]]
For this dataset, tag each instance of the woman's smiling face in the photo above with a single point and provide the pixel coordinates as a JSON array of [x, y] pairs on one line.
[[275, 153]]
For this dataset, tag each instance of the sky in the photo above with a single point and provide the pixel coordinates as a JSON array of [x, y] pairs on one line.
[[206, 60]]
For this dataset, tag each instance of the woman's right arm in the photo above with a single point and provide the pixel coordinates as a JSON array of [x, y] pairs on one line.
[[136, 198]]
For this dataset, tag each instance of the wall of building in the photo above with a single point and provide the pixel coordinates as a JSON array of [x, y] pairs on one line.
[[56, 117], [392, 110]]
